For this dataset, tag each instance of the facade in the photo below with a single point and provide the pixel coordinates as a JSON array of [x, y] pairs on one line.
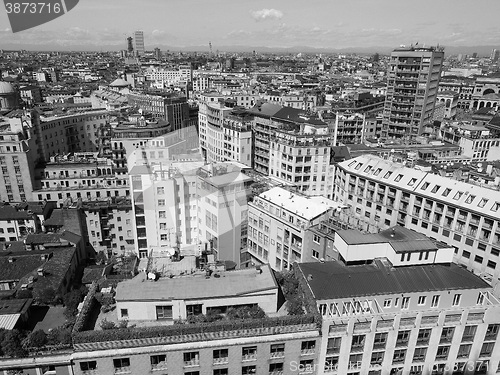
[[476, 142], [18, 157], [223, 192], [110, 226], [178, 297], [278, 223], [424, 319], [349, 129], [450, 100], [460, 214], [165, 206], [303, 159], [412, 85]]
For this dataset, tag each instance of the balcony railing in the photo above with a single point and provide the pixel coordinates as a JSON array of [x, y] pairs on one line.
[[307, 351], [357, 348], [122, 370], [192, 363], [249, 357], [221, 360], [277, 355], [423, 341]]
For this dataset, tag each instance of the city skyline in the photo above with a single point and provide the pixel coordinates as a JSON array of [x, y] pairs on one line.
[[275, 24]]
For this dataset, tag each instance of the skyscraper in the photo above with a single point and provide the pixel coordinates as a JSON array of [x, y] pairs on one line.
[[139, 43], [495, 54], [130, 46], [412, 83]]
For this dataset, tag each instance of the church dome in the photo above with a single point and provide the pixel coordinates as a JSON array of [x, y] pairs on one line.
[[6, 88]]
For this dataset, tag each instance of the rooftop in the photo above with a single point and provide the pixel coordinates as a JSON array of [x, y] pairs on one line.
[[331, 280], [229, 284], [307, 207]]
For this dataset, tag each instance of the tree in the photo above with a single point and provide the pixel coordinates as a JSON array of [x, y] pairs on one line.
[[11, 344], [24, 293], [37, 339], [106, 324], [45, 296]]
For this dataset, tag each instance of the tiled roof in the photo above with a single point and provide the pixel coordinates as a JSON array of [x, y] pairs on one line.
[[332, 280]]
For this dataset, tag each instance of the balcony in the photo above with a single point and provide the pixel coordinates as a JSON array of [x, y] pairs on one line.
[[249, 357], [475, 317], [310, 351], [192, 363], [357, 348], [423, 341], [402, 343], [379, 345], [276, 372], [490, 337], [122, 370], [277, 355], [221, 361], [468, 338], [446, 340]]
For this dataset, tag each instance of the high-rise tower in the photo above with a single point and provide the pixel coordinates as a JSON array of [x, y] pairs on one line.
[[412, 84], [139, 43], [130, 46]]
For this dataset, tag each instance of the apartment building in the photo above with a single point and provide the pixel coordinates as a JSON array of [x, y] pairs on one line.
[[110, 226], [82, 176], [423, 319], [18, 156], [278, 223], [223, 194], [412, 84], [477, 142], [463, 215], [60, 132], [303, 159], [165, 205], [348, 128], [213, 135]]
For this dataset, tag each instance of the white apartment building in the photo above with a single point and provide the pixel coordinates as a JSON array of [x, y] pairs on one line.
[[277, 226], [225, 134], [462, 215], [303, 159], [165, 206]]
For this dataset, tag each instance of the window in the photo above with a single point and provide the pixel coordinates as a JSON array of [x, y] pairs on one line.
[[358, 342], [470, 198], [387, 303], [399, 356], [315, 254], [425, 185], [492, 332], [160, 190], [412, 182], [421, 300], [487, 349], [249, 353], [316, 239], [447, 335], [191, 359], [402, 338], [88, 366], [456, 300], [248, 370], [458, 195], [469, 333], [158, 362], [124, 313], [464, 351], [435, 301], [221, 371], [277, 350], [377, 358], [423, 336], [333, 345], [442, 352], [276, 368], [162, 214], [380, 340], [161, 202], [163, 312], [307, 347], [220, 356], [192, 310], [122, 365], [405, 303], [419, 354]]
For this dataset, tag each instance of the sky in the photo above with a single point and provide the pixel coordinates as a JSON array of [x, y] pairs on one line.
[[97, 24]]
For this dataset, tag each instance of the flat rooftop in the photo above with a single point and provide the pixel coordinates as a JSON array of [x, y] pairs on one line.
[[332, 280], [306, 207], [229, 284]]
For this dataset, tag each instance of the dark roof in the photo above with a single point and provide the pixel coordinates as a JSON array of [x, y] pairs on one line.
[[265, 109], [68, 218], [55, 269], [331, 280], [8, 212], [71, 237], [42, 238], [14, 306], [297, 115], [20, 266]]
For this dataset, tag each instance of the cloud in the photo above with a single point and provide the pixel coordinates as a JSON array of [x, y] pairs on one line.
[[264, 14]]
